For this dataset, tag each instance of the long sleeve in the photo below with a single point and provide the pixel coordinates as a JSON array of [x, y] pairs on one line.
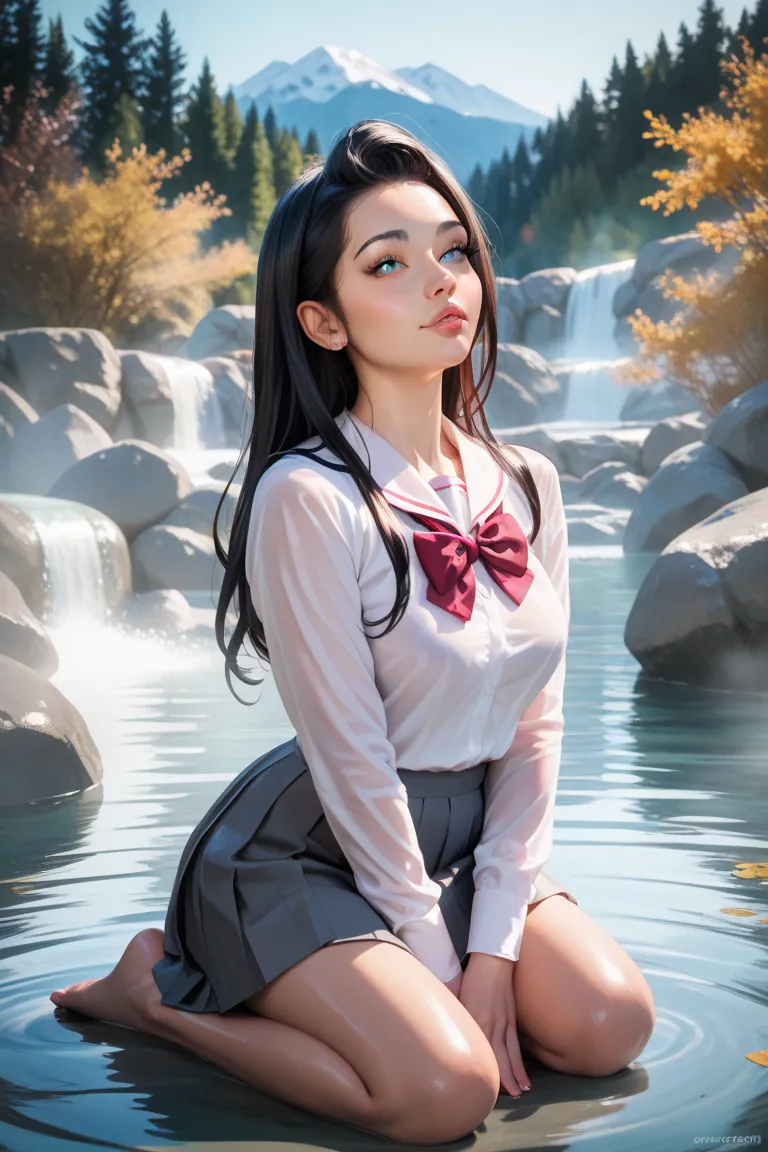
[[305, 549], [517, 834]]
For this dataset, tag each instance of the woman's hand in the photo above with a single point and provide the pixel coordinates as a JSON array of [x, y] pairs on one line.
[[487, 994]]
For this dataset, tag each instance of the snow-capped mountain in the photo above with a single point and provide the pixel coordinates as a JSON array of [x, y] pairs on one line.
[[321, 75], [469, 99], [331, 88]]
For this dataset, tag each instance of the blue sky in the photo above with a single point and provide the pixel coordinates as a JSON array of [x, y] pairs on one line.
[[534, 52]]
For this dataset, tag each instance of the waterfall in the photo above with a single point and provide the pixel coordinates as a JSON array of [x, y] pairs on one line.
[[198, 421], [591, 393], [589, 318], [84, 553]]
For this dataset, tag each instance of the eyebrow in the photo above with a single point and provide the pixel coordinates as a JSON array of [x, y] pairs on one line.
[[401, 234]]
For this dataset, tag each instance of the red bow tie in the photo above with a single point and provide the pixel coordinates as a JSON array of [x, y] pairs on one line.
[[447, 556]]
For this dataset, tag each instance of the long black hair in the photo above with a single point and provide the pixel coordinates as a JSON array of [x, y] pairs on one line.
[[299, 387]]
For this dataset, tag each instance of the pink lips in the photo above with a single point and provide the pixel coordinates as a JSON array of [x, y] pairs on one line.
[[454, 310]]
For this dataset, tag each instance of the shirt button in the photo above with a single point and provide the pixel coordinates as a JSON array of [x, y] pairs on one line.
[[484, 592], [489, 689]]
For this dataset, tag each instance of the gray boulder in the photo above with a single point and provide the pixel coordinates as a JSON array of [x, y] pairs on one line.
[[40, 453], [14, 409], [538, 438], [531, 371], [221, 331], [6, 439], [197, 510], [56, 366], [150, 382], [584, 452], [508, 404], [547, 286], [163, 611], [692, 482], [169, 556], [133, 483], [740, 429], [511, 296], [22, 636], [684, 254], [544, 331], [595, 477], [231, 386], [21, 555], [46, 750], [621, 490], [590, 525], [669, 435], [701, 614], [651, 402], [570, 489]]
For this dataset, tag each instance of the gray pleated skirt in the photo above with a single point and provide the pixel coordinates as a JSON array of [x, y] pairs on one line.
[[262, 881]]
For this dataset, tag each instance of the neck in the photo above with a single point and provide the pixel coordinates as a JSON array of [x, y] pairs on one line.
[[415, 429]]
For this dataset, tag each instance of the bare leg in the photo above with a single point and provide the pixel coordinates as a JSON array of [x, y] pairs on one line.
[[452, 1085], [274, 1057], [586, 1010]]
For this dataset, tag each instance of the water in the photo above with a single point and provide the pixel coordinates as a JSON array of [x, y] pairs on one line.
[[593, 395], [662, 793], [197, 417], [589, 318], [86, 558]]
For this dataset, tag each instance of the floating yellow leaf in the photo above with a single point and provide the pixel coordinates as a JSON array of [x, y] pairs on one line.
[[760, 1057], [738, 912], [757, 871], [761, 921]]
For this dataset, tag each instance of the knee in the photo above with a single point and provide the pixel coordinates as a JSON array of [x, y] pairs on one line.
[[609, 1031], [447, 1105]]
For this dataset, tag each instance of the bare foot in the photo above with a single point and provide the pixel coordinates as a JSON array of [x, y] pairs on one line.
[[128, 995]]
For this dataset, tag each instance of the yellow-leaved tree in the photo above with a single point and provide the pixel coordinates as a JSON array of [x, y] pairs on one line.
[[716, 345], [112, 254]]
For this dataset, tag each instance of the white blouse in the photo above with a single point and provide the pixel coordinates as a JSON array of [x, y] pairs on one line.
[[434, 693]]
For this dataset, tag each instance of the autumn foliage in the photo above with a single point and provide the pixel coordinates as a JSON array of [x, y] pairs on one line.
[[716, 346], [108, 253]]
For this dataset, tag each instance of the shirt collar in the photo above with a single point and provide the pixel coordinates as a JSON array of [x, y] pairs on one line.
[[405, 487]]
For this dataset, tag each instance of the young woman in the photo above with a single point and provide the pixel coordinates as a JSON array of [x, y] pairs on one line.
[[414, 807]]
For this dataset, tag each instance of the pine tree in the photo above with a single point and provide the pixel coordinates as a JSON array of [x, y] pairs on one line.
[[129, 129], [610, 161], [112, 67], [758, 28], [254, 195], [743, 28], [312, 146], [584, 127], [707, 53], [287, 160], [657, 92], [203, 128], [59, 67], [270, 127], [28, 47], [21, 52], [233, 126], [7, 40], [476, 186], [680, 80], [498, 189], [630, 123], [162, 88]]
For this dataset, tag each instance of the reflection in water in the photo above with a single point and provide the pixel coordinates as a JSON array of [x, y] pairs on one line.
[[662, 792]]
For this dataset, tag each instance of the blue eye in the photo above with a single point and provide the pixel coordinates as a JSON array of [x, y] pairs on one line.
[[464, 249]]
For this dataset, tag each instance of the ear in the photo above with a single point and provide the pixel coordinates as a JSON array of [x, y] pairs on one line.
[[320, 325]]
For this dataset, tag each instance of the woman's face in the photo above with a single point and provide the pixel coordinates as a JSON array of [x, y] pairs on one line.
[[391, 288]]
